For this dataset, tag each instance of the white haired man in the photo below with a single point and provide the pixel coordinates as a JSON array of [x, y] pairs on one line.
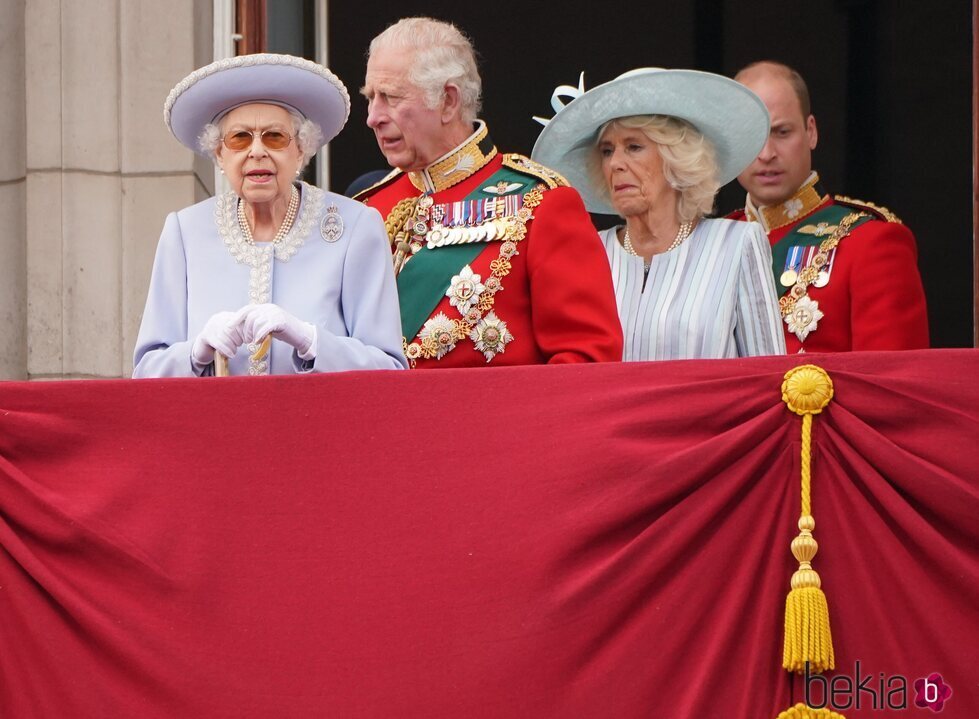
[[497, 259]]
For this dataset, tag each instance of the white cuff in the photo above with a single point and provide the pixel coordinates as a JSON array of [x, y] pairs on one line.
[[310, 353]]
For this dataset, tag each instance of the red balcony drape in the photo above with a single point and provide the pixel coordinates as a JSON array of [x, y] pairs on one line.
[[580, 541]]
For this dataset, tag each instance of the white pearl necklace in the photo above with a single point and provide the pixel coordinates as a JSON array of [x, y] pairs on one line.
[[682, 234], [283, 228]]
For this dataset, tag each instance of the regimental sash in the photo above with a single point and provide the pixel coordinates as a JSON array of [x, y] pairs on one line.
[[423, 281], [496, 211], [809, 233]]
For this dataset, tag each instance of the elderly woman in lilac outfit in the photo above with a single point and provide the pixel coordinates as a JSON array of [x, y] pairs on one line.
[[274, 276]]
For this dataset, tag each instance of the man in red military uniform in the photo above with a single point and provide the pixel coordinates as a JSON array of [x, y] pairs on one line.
[[496, 257], [848, 268]]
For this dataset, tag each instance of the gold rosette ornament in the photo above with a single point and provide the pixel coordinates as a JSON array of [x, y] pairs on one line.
[[801, 711], [807, 390]]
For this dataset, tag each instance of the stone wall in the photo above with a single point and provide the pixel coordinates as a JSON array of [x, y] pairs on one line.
[[83, 198]]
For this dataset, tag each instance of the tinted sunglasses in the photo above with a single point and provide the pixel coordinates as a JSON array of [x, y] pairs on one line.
[[242, 139]]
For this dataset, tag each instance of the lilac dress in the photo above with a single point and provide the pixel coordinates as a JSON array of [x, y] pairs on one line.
[[333, 270]]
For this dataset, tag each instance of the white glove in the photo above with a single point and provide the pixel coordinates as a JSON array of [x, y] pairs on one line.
[[268, 319], [222, 333]]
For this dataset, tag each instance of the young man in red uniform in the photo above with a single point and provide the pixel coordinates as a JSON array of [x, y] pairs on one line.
[[497, 259], [848, 269]]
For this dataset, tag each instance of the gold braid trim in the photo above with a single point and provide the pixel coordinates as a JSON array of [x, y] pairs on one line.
[[801, 204], [396, 225], [875, 209], [460, 164], [398, 216], [362, 195], [527, 166]]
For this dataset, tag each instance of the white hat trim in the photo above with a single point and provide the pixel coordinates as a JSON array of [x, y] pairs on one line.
[[294, 83], [249, 60]]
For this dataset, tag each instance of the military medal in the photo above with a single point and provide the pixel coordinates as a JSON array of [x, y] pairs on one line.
[[501, 219], [465, 221], [418, 225], [793, 263], [491, 336], [804, 317], [464, 290], [438, 335], [822, 279], [331, 227]]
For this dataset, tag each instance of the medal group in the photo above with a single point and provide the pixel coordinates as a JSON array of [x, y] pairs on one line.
[[500, 219]]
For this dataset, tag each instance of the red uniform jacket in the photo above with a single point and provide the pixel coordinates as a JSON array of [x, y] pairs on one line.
[[874, 299], [557, 300]]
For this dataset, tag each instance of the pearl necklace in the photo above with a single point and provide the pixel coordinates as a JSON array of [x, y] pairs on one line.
[[283, 228], [682, 234]]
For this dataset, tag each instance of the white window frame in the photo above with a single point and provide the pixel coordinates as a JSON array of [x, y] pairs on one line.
[[224, 47], [322, 57]]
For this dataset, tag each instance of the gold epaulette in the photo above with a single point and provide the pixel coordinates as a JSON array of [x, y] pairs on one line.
[[527, 166], [881, 213], [362, 195]]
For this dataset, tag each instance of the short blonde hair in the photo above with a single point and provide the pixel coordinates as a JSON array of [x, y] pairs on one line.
[[689, 161], [441, 54]]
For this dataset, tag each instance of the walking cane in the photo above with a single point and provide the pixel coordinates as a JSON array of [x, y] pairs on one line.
[[221, 368]]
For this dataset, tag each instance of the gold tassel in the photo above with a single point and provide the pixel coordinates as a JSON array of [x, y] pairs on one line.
[[807, 390]]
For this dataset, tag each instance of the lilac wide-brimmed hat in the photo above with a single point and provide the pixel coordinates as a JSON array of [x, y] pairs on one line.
[[293, 82], [731, 116]]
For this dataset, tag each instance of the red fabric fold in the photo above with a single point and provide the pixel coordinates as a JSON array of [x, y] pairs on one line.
[[588, 541]]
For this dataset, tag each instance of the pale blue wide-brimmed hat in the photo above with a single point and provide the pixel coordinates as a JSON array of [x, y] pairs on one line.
[[292, 82], [727, 113]]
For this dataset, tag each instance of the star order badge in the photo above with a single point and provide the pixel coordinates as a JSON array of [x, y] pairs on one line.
[[438, 334], [804, 317], [332, 225], [464, 290], [491, 336]]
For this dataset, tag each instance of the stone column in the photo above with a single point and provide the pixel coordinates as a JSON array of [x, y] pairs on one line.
[[157, 41], [102, 171], [13, 172]]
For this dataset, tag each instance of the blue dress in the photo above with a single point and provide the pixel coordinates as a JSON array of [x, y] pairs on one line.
[[333, 270]]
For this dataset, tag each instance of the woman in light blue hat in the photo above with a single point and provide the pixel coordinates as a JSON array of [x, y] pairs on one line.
[[275, 276], [654, 146]]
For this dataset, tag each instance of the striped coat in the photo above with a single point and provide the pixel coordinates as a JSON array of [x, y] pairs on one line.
[[711, 297]]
